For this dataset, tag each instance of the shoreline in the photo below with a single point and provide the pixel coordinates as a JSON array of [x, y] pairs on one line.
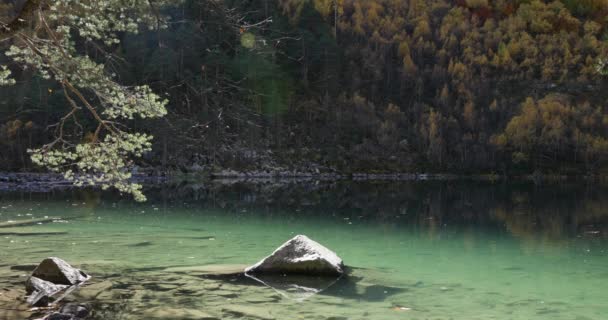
[[43, 182]]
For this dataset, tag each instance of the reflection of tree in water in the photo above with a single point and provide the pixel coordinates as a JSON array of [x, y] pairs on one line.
[[90, 201], [536, 214], [526, 211], [545, 214]]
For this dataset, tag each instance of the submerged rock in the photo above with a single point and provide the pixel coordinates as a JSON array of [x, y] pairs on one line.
[[60, 316], [296, 287], [41, 290], [93, 290], [248, 312], [300, 255], [76, 310], [71, 311], [174, 313], [12, 304]]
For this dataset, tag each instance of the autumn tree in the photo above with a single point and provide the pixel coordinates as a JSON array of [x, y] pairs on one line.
[[552, 128]]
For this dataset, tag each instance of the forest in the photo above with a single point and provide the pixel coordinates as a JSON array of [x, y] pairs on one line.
[[303, 159], [462, 86]]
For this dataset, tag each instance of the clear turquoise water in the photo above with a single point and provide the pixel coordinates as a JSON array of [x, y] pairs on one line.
[[420, 250]]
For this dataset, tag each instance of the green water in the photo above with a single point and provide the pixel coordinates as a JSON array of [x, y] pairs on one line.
[[435, 250]]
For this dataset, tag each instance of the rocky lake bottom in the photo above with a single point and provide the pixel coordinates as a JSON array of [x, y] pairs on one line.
[[414, 251]]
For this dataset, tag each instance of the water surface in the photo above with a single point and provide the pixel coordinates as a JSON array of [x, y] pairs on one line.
[[418, 250]]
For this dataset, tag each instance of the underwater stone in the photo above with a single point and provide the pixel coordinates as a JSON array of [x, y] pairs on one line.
[[94, 290], [40, 290], [300, 255], [36, 284], [248, 312], [296, 287], [60, 316], [78, 310], [174, 313]]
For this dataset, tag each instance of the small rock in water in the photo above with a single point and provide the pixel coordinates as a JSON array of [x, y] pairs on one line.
[[248, 312], [182, 313], [60, 316], [300, 255], [78, 310]]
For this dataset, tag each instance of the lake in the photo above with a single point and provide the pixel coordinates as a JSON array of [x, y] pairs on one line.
[[416, 250]]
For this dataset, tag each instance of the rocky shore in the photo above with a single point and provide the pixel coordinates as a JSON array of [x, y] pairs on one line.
[[298, 270], [45, 182], [200, 292], [40, 182]]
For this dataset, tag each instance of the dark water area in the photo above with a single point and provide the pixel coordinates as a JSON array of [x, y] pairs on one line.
[[417, 250]]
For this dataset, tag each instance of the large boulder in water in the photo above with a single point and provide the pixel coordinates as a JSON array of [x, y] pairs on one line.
[[57, 271], [51, 277], [300, 255]]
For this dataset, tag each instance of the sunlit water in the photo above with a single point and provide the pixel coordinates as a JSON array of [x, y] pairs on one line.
[[442, 250]]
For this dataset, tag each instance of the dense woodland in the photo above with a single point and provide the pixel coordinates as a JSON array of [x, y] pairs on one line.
[[467, 86]]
